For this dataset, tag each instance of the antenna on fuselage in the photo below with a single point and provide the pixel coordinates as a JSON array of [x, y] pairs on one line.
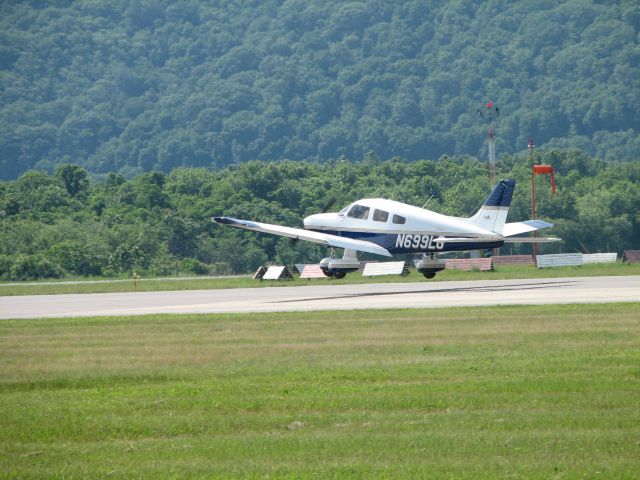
[[427, 201]]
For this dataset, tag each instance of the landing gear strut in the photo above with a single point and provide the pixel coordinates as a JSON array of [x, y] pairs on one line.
[[338, 268], [429, 266]]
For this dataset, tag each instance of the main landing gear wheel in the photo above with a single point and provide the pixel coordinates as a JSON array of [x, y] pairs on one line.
[[429, 274], [327, 273], [339, 275]]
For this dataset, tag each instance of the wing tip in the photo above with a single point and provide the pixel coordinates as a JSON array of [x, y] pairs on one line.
[[234, 222], [223, 220]]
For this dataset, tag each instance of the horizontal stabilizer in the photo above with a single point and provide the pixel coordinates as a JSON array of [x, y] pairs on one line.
[[499, 239], [531, 240], [467, 239], [307, 235], [524, 227]]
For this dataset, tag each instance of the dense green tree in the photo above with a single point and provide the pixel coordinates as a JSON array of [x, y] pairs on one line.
[[182, 237], [144, 85], [73, 179], [127, 259]]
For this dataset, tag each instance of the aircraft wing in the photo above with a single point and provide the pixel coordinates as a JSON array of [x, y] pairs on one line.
[[307, 235]]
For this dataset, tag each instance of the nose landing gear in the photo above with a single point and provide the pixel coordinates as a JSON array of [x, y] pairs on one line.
[[338, 268]]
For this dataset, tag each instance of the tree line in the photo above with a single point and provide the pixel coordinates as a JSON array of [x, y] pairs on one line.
[[71, 224]]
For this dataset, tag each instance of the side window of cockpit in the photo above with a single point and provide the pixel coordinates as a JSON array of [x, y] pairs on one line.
[[359, 211], [398, 219], [380, 215]]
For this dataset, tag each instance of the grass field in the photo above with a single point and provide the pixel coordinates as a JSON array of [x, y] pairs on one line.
[[204, 283], [500, 392]]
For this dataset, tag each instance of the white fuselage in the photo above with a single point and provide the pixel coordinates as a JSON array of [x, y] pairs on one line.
[[383, 216]]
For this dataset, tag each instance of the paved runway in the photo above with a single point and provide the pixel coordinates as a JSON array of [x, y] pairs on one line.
[[330, 297]]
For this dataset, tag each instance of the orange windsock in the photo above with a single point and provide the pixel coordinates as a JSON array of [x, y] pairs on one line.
[[548, 169]]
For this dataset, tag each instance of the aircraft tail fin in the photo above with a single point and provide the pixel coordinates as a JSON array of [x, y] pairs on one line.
[[492, 215]]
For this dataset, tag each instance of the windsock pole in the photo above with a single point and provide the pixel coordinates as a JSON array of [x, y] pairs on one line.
[[532, 160], [537, 170]]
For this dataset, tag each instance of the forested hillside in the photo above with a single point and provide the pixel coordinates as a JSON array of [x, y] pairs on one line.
[[141, 85], [53, 225]]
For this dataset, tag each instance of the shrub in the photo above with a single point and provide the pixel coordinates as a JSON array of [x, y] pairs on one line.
[[33, 267], [194, 266], [5, 267]]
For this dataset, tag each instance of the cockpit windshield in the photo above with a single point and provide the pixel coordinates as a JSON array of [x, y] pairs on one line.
[[359, 211]]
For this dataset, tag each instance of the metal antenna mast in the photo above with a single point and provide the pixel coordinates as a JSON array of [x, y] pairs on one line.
[[489, 112], [491, 142]]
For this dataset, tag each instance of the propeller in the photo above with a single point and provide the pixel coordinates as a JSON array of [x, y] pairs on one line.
[[328, 204]]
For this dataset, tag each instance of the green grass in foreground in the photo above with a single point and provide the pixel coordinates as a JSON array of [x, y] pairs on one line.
[[204, 283], [500, 392]]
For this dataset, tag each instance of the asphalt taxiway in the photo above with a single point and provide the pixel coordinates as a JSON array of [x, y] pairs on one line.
[[333, 296]]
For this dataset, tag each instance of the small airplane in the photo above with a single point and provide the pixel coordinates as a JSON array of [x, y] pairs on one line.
[[386, 227]]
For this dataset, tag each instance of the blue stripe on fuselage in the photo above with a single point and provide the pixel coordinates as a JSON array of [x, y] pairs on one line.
[[398, 243]]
